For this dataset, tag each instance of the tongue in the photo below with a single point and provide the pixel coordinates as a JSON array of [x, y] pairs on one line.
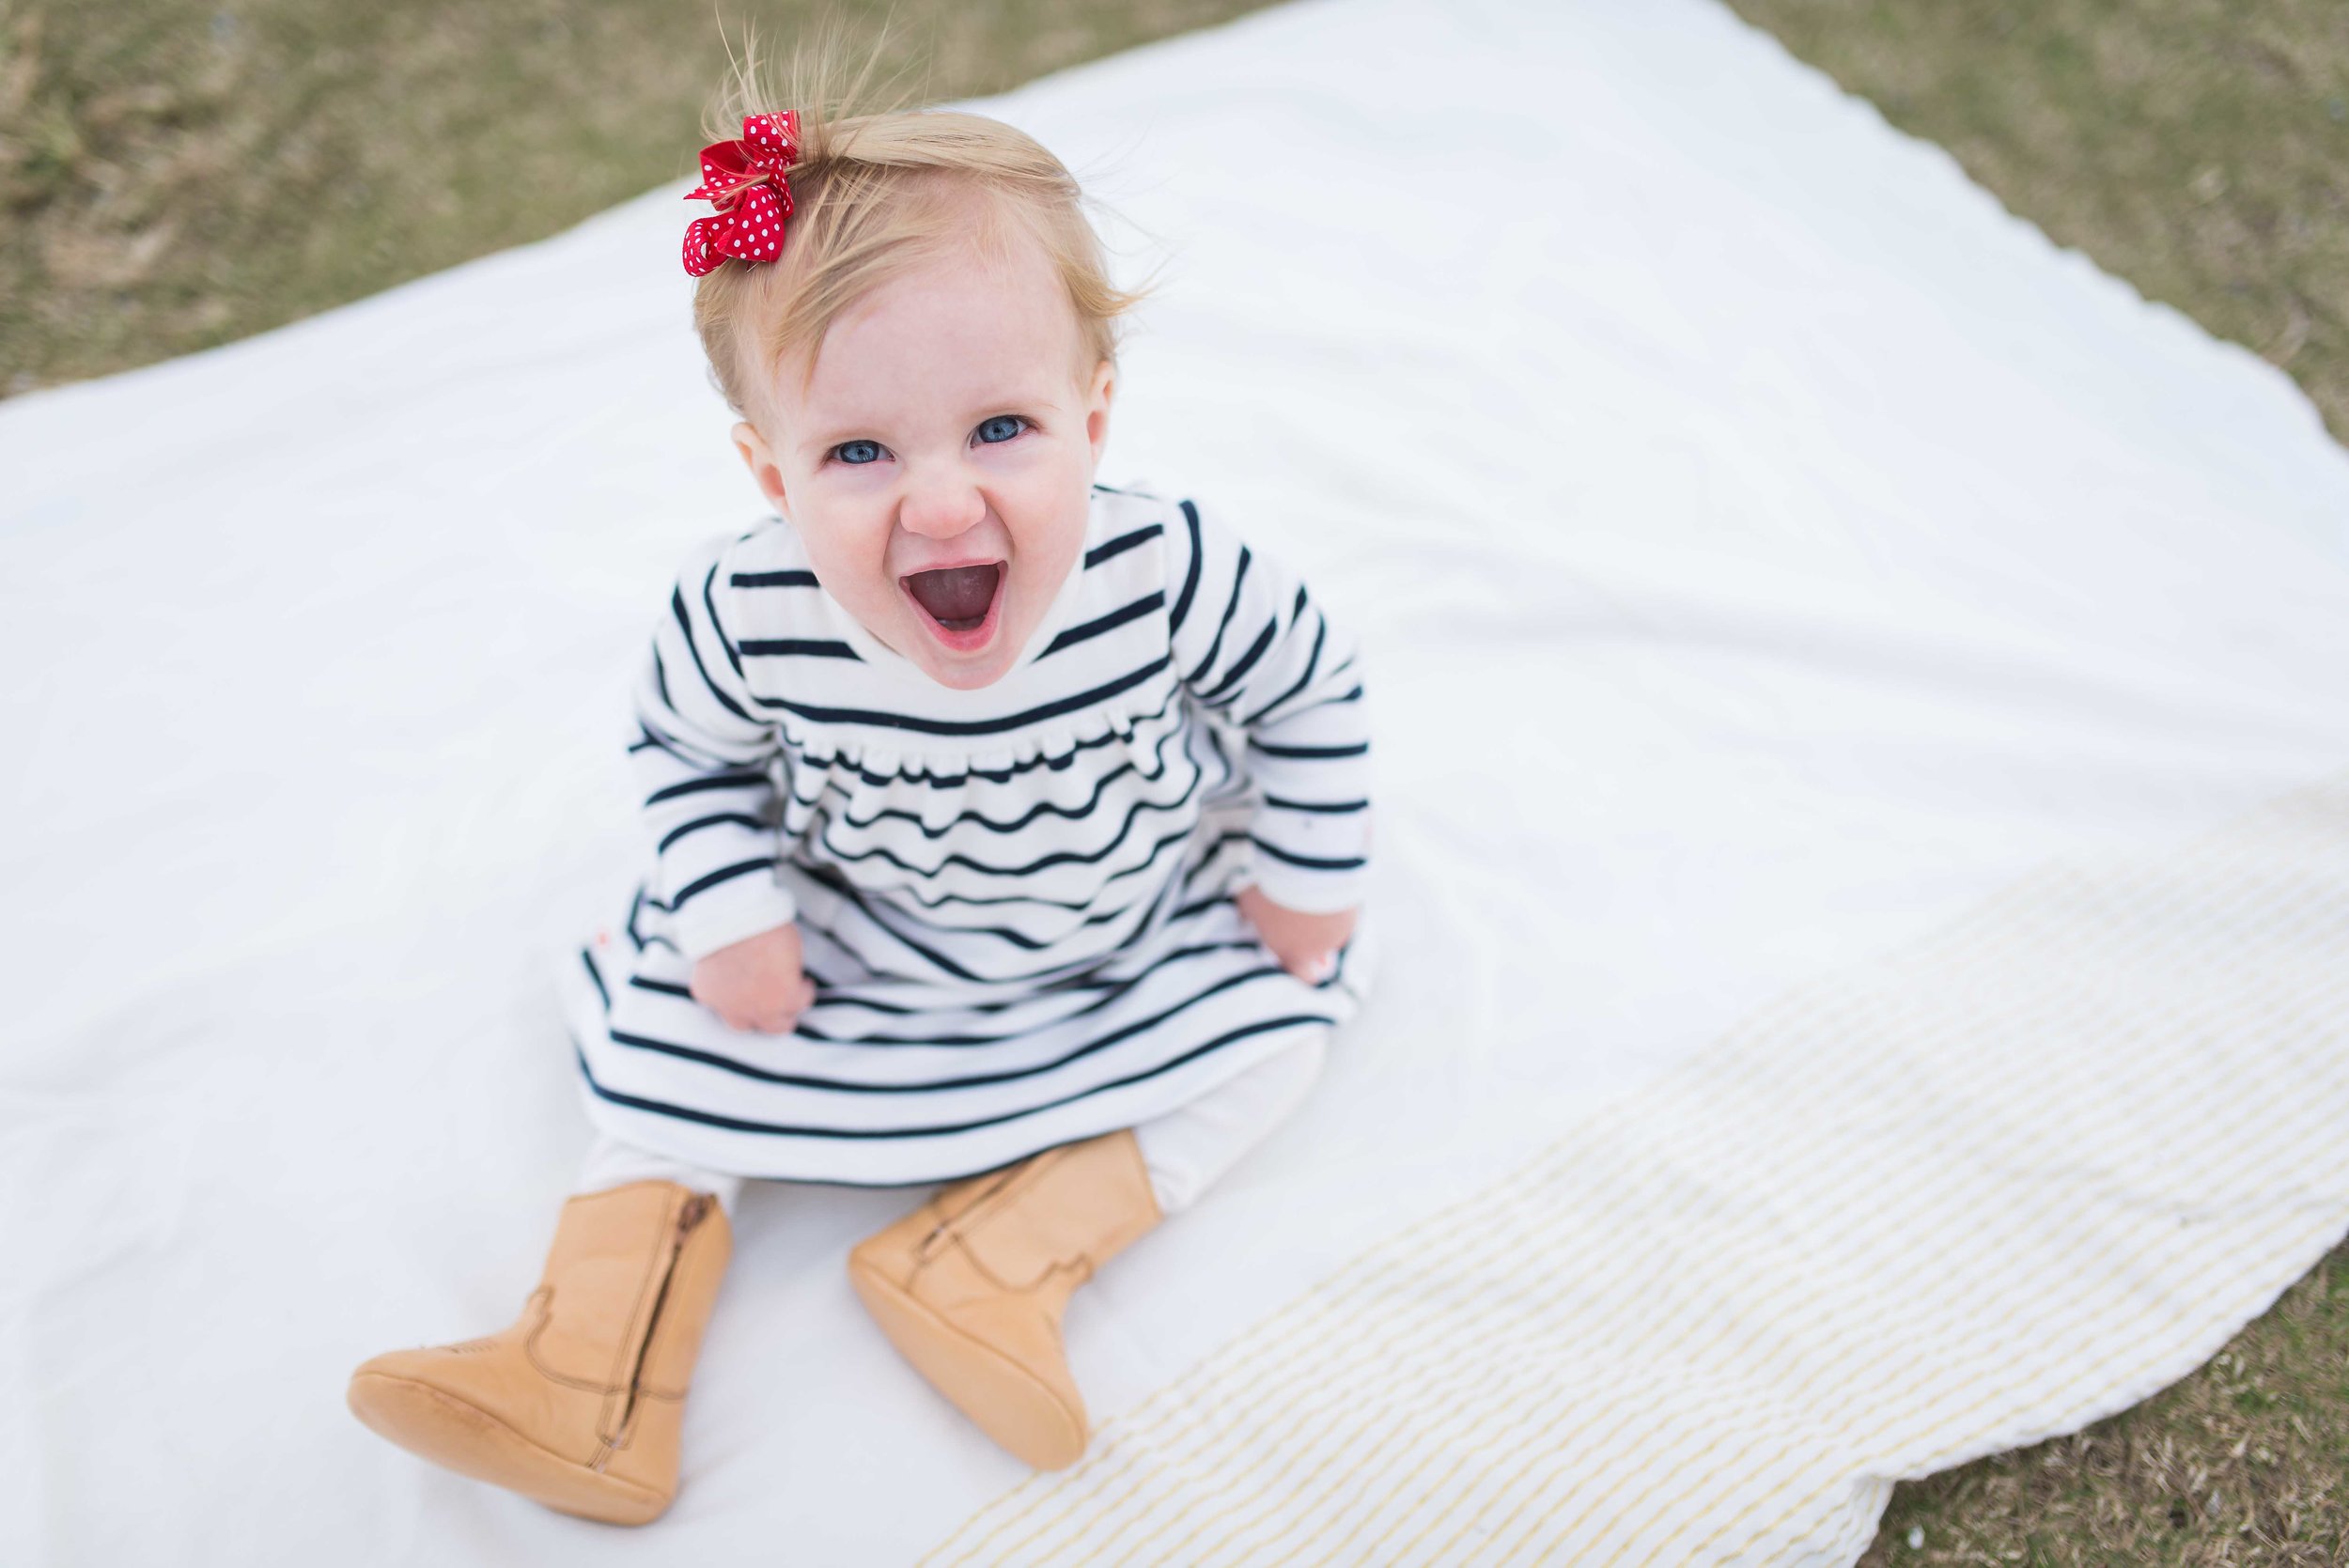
[[957, 597]]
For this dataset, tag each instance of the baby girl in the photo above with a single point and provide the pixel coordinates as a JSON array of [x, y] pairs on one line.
[[1001, 823]]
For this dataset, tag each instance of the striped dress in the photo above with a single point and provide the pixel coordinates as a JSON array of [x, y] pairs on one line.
[[1015, 903]]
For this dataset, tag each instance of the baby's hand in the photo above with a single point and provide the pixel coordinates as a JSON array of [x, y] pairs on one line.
[[1306, 944], [756, 985]]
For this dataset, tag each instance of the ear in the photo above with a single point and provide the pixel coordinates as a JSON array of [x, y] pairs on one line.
[[1098, 406], [760, 459]]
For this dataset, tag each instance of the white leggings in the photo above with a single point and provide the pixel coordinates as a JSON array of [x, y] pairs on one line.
[[1185, 1151]]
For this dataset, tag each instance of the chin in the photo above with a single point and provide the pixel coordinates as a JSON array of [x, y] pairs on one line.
[[969, 674]]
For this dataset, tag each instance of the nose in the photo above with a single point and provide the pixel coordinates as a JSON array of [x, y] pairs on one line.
[[941, 505]]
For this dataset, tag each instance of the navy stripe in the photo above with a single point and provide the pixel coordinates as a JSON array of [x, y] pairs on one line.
[[1077, 979], [647, 739], [1239, 670], [975, 1081], [700, 822], [788, 647], [718, 627], [1312, 661], [992, 775], [829, 997], [1191, 575], [1042, 808], [773, 580], [685, 625], [972, 726], [1223, 841], [1099, 624], [1332, 807], [1214, 649], [587, 960], [715, 781], [635, 912], [1110, 990], [736, 1123], [1060, 857], [1352, 862], [856, 901], [849, 892], [724, 873], [1361, 748], [956, 900], [684, 754], [1121, 544]]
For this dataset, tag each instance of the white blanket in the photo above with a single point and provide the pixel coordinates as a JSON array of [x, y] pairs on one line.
[[1769, 551]]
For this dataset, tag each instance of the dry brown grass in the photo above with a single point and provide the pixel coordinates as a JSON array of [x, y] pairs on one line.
[[2199, 149], [2245, 1462], [174, 175]]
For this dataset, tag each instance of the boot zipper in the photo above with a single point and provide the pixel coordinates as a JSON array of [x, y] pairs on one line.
[[696, 1209], [974, 1212]]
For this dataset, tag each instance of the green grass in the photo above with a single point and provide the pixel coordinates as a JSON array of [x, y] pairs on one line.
[[174, 176]]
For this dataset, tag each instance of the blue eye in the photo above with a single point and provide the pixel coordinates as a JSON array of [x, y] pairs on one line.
[[1001, 429], [857, 453]]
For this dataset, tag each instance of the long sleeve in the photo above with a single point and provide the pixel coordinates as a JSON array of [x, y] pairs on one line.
[[702, 756], [1251, 643]]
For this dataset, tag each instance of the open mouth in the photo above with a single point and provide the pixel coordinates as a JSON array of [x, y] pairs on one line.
[[959, 601]]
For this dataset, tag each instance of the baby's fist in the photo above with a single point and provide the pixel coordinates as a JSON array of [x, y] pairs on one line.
[[756, 985], [1306, 944]]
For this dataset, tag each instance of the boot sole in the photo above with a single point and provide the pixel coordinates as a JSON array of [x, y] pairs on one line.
[[995, 1391], [458, 1436]]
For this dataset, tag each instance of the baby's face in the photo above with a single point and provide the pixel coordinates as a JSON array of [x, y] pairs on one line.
[[938, 464]]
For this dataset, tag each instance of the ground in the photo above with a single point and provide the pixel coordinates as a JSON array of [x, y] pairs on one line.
[[177, 175], [2199, 149]]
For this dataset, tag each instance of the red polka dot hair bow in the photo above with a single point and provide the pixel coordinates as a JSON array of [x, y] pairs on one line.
[[744, 181]]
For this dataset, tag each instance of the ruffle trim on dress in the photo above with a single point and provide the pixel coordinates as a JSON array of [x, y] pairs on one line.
[[1121, 721]]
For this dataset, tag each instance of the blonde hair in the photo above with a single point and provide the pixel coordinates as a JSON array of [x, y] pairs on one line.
[[879, 193]]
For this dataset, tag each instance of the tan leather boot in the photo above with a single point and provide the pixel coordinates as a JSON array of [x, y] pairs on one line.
[[971, 1286], [578, 1404]]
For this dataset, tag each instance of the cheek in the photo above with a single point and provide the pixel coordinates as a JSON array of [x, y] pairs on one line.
[[1048, 515], [847, 536]]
